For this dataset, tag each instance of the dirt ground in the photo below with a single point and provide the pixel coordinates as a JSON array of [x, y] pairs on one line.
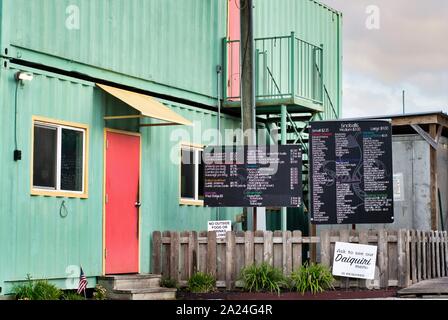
[[327, 295]]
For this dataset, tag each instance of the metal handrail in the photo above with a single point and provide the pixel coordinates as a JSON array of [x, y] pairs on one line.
[[327, 94], [297, 132], [273, 80], [283, 68]]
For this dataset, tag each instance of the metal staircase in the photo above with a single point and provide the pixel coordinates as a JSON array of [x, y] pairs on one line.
[[297, 133]]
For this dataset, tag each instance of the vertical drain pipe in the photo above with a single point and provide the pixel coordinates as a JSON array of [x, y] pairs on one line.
[[283, 141], [218, 122]]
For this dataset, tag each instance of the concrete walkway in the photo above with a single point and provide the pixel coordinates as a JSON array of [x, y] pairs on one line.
[[431, 287]]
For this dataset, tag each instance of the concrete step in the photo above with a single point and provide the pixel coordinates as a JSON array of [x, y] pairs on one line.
[[143, 294], [130, 281]]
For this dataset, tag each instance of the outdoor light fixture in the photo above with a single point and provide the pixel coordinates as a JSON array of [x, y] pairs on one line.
[[24, 76]]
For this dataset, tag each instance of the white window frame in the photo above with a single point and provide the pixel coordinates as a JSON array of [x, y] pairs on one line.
[[196, 149], [57, 191]]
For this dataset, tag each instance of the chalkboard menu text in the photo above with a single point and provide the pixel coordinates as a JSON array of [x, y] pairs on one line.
[[253, 176], [351, 172]]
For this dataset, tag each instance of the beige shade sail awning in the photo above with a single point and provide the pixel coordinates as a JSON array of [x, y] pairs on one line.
[[146, 105]]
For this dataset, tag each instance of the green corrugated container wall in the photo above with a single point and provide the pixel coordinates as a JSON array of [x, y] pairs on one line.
[[34, 237], [167, 42], [312, 22], [158, 45]]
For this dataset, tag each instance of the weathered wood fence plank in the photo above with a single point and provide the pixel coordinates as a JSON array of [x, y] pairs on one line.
[[174, 255], [419, 256], [296, 250], [157, 252], [166, 251], [344, 235], [211, 253], [446, 252], [325, 248], [437, 245], [413, 256], [408, 257], [230, 264], [183, 256], [287, 253], [382, 258], [268, 249], [249, 248], [363, 239], [424, 256], [442, 254], [433, 255]]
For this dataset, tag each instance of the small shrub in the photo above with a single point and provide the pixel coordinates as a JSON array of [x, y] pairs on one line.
[[168, 283], [201, 283], [312, 277], [36, 290], [262, 277], [100, 293], [24, 291], [70, 295]]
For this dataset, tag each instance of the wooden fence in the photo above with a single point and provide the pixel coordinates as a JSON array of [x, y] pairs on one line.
[[404, 256]]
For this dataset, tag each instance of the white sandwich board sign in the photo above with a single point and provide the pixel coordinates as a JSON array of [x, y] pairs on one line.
[[354, 260]]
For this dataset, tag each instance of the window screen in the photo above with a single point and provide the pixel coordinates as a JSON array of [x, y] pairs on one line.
[[44, 157], [187, 174], [71, 160], [200, 176]]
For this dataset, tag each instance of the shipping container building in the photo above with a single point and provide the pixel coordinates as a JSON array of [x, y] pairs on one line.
[[100, 101]]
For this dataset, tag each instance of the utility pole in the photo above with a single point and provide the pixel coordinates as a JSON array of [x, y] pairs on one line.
[[284, 210], [247, 86], [404, 103]]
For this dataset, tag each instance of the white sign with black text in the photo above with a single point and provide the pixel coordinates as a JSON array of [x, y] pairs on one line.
[[221, 227], [354, 260]]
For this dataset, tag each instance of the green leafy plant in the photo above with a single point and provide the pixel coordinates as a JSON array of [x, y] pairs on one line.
[[168, 283], [201, 283], [36, 290], [262, 277], [70, 295], [312, 277], [100, 293]]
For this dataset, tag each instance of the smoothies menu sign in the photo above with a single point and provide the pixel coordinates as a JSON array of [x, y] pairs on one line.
[[351, 172]]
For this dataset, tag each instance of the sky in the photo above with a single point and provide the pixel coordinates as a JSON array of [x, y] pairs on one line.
[[390, 46]]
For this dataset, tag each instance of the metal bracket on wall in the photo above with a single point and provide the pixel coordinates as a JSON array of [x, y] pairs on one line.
[[433, 142]]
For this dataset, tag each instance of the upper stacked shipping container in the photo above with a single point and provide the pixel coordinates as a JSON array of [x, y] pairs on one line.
[[165, 46]]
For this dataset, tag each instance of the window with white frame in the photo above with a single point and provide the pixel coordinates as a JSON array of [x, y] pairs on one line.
[[191, 172], [59, 158]]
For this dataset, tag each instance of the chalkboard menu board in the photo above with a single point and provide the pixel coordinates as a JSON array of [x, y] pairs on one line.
[[351, 172], [253, 176]]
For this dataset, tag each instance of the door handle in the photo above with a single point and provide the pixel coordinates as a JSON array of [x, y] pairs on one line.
[[138, 204]]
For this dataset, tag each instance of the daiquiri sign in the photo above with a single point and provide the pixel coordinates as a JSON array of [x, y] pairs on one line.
[[354, 260]]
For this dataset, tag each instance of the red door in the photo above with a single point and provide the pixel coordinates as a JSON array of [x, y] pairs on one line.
[[122, 197], [233, 50]]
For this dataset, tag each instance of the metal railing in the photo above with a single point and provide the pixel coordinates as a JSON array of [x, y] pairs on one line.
[[285, 67]]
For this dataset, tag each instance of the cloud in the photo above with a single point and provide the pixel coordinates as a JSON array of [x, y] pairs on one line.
[[364, 96], [409, 50]]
